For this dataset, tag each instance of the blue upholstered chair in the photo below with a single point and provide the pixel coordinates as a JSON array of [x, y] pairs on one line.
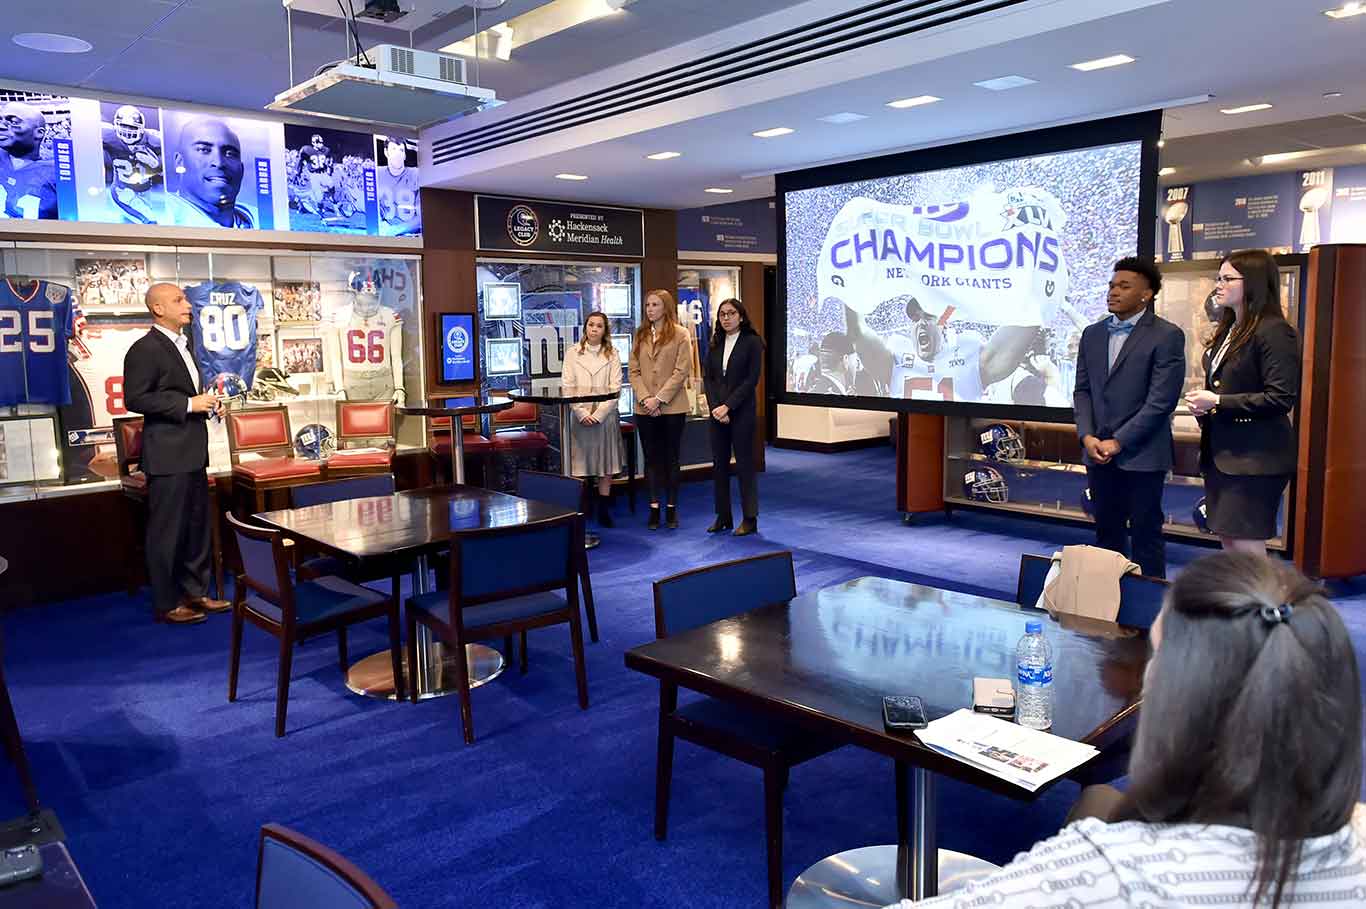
[[567, 492], [1140, 597], [505, 580], [295, 872], [698, 597], [270, 599]]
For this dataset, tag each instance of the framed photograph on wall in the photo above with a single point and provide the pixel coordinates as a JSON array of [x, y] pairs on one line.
[[503, 356], [302, 355], [616, 300], [623, 345], [502, 301]]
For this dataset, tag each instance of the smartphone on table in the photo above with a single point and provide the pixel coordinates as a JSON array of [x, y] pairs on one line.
[[902, 712]]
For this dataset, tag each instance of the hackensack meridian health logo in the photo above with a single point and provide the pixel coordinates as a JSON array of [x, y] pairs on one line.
[[523, 225], [457, 339]]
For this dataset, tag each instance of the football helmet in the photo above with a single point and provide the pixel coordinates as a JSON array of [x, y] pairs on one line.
[[271, 384], [1212, 308], [1200, 515], [315, 442], [365, 281], [1002, 442], [229, 387], [129, 124], [1088, 504], [985, 484]]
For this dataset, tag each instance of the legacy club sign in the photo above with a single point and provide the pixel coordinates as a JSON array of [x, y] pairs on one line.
[[530, 225]]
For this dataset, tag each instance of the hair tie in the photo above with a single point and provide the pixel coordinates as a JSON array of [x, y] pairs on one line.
[[1275, 615]]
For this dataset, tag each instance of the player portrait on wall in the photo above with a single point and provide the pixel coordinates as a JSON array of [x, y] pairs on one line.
[[326, 172], [134, 172], [208, 163], [396, 185], [370, 341], [29, 123]]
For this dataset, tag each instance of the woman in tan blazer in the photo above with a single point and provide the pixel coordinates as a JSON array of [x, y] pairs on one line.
[[660, 358]]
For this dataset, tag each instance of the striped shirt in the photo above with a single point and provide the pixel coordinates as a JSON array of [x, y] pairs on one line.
[[1097, 865]]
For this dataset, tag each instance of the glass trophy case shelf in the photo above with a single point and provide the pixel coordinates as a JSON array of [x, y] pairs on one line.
[[299, 329]]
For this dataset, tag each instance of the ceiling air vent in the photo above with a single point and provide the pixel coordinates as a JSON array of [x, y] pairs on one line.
[[401, 61]]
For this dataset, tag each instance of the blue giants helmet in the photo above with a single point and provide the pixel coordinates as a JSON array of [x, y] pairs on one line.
[[1002, 442], [229, 387], [1200, 515], [365, 281], [315, 442], [985, 484]]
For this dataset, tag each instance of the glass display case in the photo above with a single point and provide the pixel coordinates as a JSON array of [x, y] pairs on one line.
[[531, 312], [1046, 477], [268, 327], [701, 288]]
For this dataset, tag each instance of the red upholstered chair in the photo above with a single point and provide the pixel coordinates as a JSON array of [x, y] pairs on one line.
[[133, 485], [476, 444], [371, 424], [265, 431]]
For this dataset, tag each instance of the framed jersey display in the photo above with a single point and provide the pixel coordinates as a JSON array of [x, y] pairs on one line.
[[29, 451], [502, 300], [297, 328]]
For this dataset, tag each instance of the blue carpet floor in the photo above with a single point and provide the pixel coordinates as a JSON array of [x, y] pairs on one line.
[[162, 785]]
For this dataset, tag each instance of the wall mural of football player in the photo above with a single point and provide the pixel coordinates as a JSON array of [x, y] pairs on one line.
[[369, 343], [315, 168], [208, 160], [396, 183], [28, 181], [133, 164]]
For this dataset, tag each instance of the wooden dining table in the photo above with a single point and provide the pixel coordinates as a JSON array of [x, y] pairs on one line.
[[410, 526], [825, 659]]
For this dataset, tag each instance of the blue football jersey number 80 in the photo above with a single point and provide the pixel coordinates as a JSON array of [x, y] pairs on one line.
[[224, 328]]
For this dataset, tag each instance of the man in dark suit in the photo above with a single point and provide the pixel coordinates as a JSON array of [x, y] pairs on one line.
[[1130, 370], [160, 382]]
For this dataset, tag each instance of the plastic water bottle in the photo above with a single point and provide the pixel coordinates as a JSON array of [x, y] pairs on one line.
[[1034, 678]]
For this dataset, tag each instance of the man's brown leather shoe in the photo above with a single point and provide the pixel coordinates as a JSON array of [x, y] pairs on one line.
[[206, 604], [181, 615]]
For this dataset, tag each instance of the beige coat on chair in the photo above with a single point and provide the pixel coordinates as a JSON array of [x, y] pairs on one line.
[[1084, 580], [659, 371]]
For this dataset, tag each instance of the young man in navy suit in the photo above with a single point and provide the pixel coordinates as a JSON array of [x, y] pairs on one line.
[[160, 382], [1131, 367]]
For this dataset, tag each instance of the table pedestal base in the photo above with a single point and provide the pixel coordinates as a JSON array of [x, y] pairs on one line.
[[867, 877], [374, 675]]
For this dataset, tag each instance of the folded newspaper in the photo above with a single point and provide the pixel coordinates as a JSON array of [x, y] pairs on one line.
[[1026, 757]]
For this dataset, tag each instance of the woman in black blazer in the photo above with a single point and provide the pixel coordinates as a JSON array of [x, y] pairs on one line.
[[1252, 379], [730, 379]]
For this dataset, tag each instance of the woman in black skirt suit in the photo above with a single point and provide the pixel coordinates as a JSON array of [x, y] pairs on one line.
[[1252, 379]]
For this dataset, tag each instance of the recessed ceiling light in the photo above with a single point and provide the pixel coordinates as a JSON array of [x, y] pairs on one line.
[[1004, 83], [773, 133], [1332, 94], [1346, 11], [843, 117], [917, 101], [718, 190], [1245, 109], [51, 43], [664, 156], [570, 177], [1164, 171], [1103, 62]]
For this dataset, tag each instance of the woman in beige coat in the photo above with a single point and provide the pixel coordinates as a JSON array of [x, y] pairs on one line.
[[592, 365], [660, 360]]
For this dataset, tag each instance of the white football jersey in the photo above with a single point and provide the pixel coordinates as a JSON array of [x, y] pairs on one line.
[[366, 341], [955, 374], [102, 372]]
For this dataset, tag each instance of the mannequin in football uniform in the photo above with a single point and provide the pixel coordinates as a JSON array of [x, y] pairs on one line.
[[397, 187], [370, 344], [132, 163], [209, 161], [28, 184]]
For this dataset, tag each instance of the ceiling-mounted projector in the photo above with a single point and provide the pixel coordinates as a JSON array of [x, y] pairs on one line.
[[406, 87]]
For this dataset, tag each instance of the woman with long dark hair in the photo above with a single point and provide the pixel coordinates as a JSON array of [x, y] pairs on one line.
[[1252, 380], [734, 360], [661, 358], [1246, 766]]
